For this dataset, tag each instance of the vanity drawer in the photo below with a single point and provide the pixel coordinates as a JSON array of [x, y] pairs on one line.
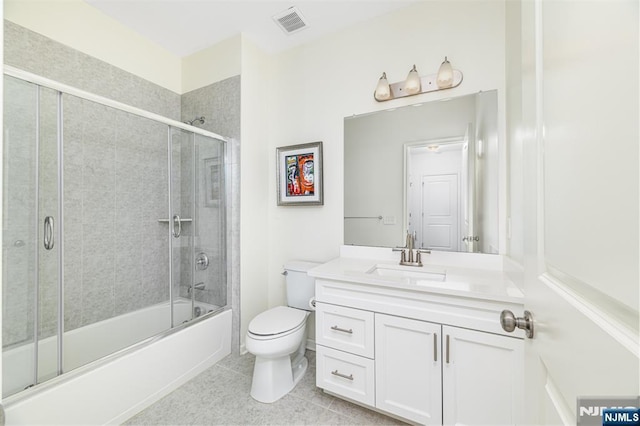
[[346, 375], [346, 329]]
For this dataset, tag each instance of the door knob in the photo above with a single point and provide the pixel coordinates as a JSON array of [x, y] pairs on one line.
[[509, 322]]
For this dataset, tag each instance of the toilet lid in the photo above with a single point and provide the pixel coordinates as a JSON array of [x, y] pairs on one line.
[[277, 320]]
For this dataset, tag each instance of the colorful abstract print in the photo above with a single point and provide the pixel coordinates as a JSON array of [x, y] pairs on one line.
[[300, 176]]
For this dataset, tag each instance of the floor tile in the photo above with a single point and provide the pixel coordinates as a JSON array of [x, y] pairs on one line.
[[221, 396]]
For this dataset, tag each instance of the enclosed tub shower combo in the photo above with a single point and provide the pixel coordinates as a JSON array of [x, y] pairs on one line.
[[114, 242]]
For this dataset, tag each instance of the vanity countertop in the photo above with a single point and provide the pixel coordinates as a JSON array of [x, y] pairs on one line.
[[472, 282]]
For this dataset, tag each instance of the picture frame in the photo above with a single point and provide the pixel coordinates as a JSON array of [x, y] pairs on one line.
[[300, 180]]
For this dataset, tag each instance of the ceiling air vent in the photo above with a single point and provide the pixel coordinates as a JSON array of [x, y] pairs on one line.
[[291, 20]]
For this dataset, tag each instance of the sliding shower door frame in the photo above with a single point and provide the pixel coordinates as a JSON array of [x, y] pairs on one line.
[[58, 234]]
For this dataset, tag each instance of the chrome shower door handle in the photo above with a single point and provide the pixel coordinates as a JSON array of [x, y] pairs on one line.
[[49, 240], [176, 220]]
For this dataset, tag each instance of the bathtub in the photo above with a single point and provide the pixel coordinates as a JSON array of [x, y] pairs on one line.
[[112, 389]]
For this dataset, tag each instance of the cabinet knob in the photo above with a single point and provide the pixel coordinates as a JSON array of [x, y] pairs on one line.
[[510, 322]]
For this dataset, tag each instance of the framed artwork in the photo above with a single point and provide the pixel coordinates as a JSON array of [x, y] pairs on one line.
[[299, 170], [212, 181]]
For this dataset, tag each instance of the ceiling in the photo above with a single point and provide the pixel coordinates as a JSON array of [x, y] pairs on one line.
[[187, 26]]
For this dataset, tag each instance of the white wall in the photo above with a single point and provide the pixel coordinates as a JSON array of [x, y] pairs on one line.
[[1, 186], [255, 156], [488, 160], [318, 84], [515, 131]]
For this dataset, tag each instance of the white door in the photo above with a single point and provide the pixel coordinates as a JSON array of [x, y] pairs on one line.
[[440, 214], [408, 368], [482, 377], [578, 133]]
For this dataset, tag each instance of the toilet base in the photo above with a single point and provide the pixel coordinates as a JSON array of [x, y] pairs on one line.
[[274, 378]]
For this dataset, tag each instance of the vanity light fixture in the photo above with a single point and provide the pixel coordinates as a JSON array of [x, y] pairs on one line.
[[412, 83], [446, 78], [383, 90]]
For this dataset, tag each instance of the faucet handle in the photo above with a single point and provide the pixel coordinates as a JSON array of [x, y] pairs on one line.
[[403, 253], [419, 256]]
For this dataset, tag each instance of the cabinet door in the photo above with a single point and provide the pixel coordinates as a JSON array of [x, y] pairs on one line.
[[482, 377], [408, 368]]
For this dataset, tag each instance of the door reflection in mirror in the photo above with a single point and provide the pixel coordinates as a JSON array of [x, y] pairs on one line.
[[435, 165]]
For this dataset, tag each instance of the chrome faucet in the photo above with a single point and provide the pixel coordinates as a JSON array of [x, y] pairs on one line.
[[199, 286], [410, 245]]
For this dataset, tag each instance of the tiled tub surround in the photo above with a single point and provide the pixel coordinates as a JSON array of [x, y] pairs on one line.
[[138, 374], [106, 169], [113, 390], [113, 251], [86, 344], [219, 103]]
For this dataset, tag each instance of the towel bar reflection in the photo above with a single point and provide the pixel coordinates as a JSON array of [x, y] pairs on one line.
[[363, 217], [171, 220]]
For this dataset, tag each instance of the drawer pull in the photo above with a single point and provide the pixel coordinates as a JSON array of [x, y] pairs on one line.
[[336, 328], [344, 376]]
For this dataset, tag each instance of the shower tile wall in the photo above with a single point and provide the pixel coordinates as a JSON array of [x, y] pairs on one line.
[[116, 253], [219, 103]]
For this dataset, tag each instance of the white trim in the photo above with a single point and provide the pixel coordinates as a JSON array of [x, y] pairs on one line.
[[617, 329], [559, 404], [51, 84]]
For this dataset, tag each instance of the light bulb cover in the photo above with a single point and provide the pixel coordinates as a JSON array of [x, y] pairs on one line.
[[445, 75], [412, 84], [383, 91]]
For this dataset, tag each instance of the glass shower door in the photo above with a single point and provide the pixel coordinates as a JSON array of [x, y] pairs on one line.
[[31, 253], [181, 222], [210, 224]]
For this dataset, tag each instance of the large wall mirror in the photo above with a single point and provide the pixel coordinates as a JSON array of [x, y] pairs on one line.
[[430, 169]]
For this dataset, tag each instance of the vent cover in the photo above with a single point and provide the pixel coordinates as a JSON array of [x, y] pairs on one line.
[[291, 20]]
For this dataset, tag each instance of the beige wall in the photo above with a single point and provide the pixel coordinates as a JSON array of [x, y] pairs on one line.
[[84, 28]]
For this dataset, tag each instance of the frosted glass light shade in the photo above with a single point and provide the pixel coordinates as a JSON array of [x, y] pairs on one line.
[[383, 91], [412, 83], [445, 75]]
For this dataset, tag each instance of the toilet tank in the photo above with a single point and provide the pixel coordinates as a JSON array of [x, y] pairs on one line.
[[300, 286]]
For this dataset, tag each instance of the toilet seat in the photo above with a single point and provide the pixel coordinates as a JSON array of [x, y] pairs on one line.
[[277, 322]]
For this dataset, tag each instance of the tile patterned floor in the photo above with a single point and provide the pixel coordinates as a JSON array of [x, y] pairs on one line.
[[220, 396]]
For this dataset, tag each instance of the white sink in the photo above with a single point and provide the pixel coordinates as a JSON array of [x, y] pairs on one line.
[[415, 272]]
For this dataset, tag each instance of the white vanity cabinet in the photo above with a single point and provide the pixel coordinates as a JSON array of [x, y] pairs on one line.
[[416, 355], [408, 367], [482, 377]]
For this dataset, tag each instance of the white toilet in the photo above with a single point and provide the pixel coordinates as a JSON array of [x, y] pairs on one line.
[[278, 337]]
